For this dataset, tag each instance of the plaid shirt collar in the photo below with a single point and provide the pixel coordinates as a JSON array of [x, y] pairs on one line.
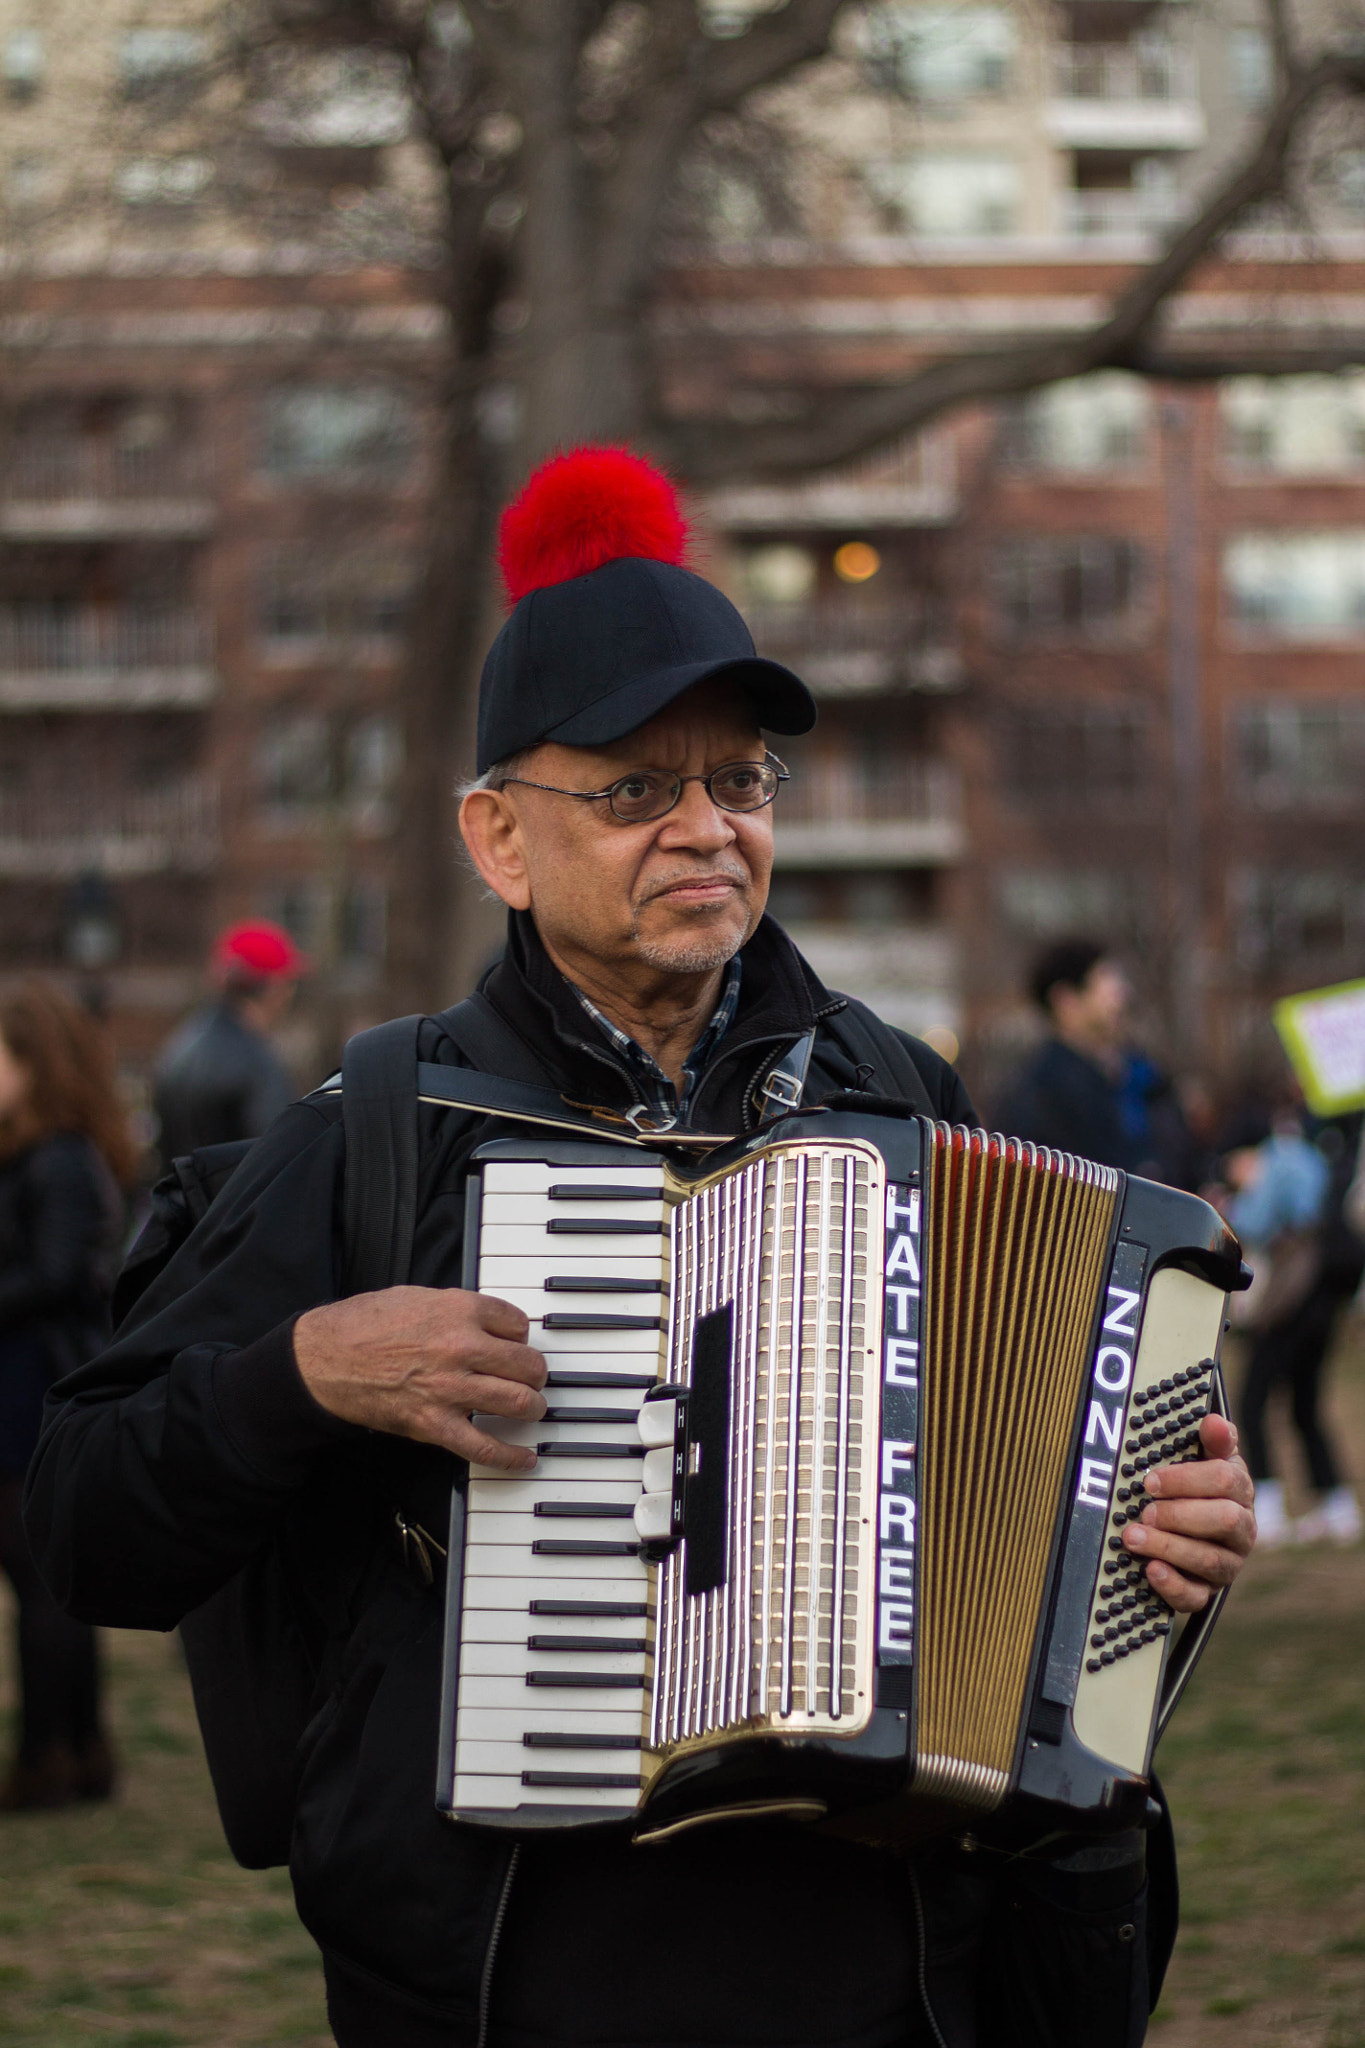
[[660, 1093]]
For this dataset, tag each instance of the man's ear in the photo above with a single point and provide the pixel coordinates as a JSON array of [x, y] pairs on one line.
[[492, 833]]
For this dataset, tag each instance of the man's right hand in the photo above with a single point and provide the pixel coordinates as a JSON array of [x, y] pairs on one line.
[[418, 1361]]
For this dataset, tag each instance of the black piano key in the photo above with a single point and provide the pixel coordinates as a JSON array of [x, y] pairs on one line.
[[602, 1379], [540, 1739], [602, 1226], [588, 1681], [587, 1191], [594, 1781], [572, 1546], [571, 1319], [563, 1450], [633, 1610], [587, 1646], [592, 1415], [579, 1283], [585, 1510]]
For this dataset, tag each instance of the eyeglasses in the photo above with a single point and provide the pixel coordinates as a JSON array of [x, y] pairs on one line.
[[648, 793]]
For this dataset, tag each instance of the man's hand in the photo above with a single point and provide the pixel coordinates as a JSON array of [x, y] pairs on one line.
[[1198, 1527], [417, 1361]]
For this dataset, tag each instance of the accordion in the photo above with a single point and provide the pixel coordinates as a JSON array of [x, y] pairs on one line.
[[844, 1425]]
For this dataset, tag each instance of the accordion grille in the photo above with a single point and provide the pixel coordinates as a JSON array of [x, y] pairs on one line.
[[1016, 1242], [785, 1639]]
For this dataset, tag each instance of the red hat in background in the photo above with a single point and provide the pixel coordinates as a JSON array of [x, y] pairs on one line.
[[258, 948]]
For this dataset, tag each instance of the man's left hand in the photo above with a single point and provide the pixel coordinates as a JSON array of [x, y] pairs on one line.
[[1198, 1527]]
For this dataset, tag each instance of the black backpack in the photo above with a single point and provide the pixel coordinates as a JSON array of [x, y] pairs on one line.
[[254, 1677]]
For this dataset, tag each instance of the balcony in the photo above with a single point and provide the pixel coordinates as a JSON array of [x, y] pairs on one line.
[[52, 834], [858, 648], [911, 484], [836, 814], [68, 487], [1119, 214], [1125, 96], [56, 656]]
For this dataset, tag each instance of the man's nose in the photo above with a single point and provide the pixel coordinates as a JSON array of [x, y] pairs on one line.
[[695, 821]]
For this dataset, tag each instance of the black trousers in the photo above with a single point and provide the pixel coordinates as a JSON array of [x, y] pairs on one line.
[[1293, 1354], [58, 1659]]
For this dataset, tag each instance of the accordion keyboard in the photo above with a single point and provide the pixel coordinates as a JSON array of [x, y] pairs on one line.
[[556, 1600]]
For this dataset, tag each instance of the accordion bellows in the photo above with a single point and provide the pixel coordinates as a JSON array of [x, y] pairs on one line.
[[1017, 1263]]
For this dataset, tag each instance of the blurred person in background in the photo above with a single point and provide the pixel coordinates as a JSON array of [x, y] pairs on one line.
[[1282, 1198], [66, 1164], [1086, 1089], [219, 1078]]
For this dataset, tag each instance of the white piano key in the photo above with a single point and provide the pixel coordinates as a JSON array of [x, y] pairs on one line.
[[500, 1592], [501, 1793], [497, 1560], [498, 1724], [511, 1696], [513, 1660], [500, 1208], [600, 1397], [628, 1262], [517, 1625], [543, 1431], [501, 1526], [532, 1175], [510, 1759], [490, 1493], [523, 1240]]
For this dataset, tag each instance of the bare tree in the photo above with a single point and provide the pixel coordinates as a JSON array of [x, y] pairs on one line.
[[559, 134]]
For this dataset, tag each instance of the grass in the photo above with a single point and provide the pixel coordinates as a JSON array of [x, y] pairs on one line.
[[130, 1923]]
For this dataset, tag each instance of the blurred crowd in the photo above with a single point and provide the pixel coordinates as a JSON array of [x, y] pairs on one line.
[[72, 1188]]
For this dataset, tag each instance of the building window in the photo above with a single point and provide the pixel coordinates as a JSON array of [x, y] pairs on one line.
[[1348, 176], [314, 599], [1076, 754], [162, 180], [23, 61], [1251, 66], [940, 54], [1046, 902], [151, 57], [1064, 586], [1086, 426], [1296, 586], [294, 772], [303, 905], [373, 763], [362, 923], [1301, 921], [1295, 426], [332, 99], [953, 193], [313, 432], [1298, 754]]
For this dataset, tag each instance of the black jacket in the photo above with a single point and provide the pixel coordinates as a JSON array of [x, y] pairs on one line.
[[60, 1217], [192, 1442], [217, 1079]]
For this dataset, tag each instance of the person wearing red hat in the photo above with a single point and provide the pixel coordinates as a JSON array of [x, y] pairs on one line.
[[219, 1077], [259, 1414]]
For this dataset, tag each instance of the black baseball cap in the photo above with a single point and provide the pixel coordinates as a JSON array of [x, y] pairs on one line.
[[608, 626]]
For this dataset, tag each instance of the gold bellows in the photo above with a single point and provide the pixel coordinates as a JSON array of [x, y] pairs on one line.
[[1016, 1243]]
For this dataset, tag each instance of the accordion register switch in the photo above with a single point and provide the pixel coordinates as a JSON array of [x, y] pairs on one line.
[[844, 1424]]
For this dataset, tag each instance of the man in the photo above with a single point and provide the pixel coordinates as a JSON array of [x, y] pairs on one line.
[[1085, 1090], [623, 815], [219, 1078]]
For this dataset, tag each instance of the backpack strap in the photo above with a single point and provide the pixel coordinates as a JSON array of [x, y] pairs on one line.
[[379, 1115], [881, 1054], [490, 1044]]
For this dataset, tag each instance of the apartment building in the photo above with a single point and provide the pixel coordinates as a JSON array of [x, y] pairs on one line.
[[1092, 662]]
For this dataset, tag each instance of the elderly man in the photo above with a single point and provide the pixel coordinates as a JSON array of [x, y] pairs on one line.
[[248, 1408]]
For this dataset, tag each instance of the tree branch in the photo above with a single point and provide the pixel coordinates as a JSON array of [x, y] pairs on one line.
[[853, 424], [775, 45]]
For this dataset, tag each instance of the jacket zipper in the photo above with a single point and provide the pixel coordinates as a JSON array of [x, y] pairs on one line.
[[929, 2012], [490, 1954]]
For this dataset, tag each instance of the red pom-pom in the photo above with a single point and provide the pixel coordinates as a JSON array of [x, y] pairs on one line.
[[583, 509]]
